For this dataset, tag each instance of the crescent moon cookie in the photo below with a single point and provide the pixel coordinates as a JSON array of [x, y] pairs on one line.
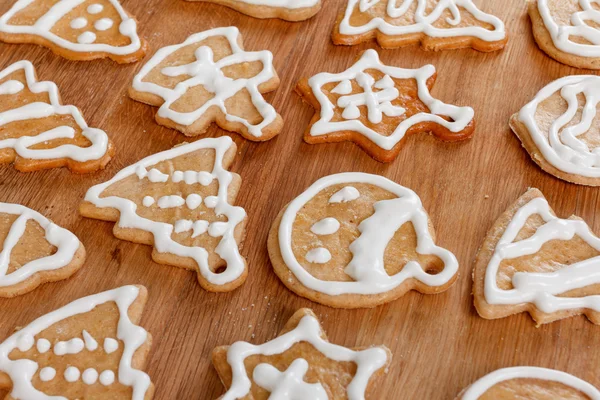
[[532, 261], [38, 132], [34, 250], [531, 383], [180, 201], [300, 363], [436, 24], [567, 30], [356, 240], [75, 29], [377, 106], [289, 10], [91, 348], [210, 77]]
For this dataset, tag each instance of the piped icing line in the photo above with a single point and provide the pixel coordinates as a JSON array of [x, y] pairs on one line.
[[23, 145], [562, 147], [65, 242], [207, 72], [367, 264], [367, 361], [43, 27], [460, 116], [289, 4], [561, 34], [424, 23], [21, 371], [227, 248], [543, 289], [477, 389]]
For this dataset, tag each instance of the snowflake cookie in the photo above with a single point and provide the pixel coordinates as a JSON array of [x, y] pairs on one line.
[[290, 10]]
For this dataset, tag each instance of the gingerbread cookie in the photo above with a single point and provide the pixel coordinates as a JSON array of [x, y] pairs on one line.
[[89, 349], [558, 128], [356, 240], [76, 30], [38, 132], [289, 10], [34, 250], [532, 261], [377, 106], [180, 201], [567, 30], [300, 363], [436, 24], [531, 383], [210, 77]]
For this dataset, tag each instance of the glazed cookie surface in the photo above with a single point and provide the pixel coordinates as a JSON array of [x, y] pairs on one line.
[[290, 10]]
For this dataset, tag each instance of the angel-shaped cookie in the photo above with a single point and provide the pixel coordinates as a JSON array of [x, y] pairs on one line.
[[290, 10]]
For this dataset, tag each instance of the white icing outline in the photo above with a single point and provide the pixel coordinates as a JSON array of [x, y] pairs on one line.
[[97, 137], [22, 371], [43, 26], [66, 243], [229, 87], [227, 248], [461, 116], [370, 278], [562, 149]]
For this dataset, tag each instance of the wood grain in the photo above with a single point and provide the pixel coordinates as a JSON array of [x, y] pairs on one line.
[[439, 343]]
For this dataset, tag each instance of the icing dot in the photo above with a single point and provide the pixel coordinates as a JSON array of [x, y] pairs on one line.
[[319, 255], [103, 24], [47, 374], [72, 374], [170, 201], [110, 345], [205, 178], [200, 227], [86, 37], [193, 201], [348, 193], [211, 201], [11, 87], [90, 342], [344, 87], [90, 376], [79, 23], [148, 201], [326, 226], [107, 377], [43, 345], [183, 225], [72, 346], [25, 342], [217, 229], [95, 8]]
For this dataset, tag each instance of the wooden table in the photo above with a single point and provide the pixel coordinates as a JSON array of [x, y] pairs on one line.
[[440, 344]]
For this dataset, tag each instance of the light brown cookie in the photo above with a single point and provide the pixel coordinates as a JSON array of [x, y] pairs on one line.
[[550, 18], [554, 133], [289, 10], [91, 348], [80, 30], [377, 106], [532, 383], [437, 25], [301, 361], [350, 241], [34, 250], [181, 202], [211, 78], [38, 132], [532, 261]]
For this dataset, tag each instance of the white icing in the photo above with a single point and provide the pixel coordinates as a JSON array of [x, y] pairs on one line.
[[153, 175], [541, 288], [211, 201], [199, 228], [43, 345], [90, 343], [561, 146], [22, 145], [326, 226], [90, 376], [43, 27], [11, 87], [66, 243], [107, 377], [367, 265], [289, 4], [367, 362], [227, 248], [25, 343], [208, 73], [73, 346], [477, 389], [290, 384], [148, 201], [344, 87], [183, 225], [173, 201], [86, 38], [21, 371], [110, 345], [348, 193], [459, 117], [79, 23], [193, 201], [217, 229], [423, 22], [47, 374], [72, 374], [103, 24], [319, 255]]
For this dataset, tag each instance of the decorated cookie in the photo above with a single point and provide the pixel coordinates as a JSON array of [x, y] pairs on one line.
[[355, 240], [531, 383], [180, 201], [532, 261], [89, 349], [558, 128], [210, 77], [376, 107], [290, 10], [299, 364], [436, 24], [567, 31], [34, 250], [37, 131]]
